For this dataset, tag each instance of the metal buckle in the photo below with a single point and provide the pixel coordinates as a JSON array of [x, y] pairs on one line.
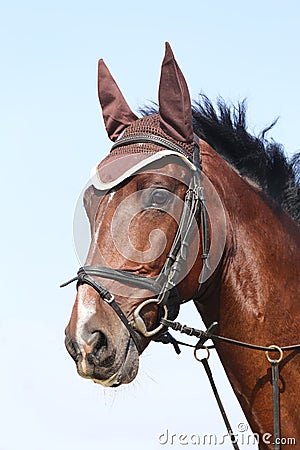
[[109, 299], [138, 322]]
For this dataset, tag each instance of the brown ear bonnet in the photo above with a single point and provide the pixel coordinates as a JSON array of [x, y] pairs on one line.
[[173, 121]]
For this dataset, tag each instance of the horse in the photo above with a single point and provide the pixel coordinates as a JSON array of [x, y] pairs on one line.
[[188, 205]]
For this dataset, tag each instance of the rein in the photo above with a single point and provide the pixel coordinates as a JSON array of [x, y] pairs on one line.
[[203, 336]]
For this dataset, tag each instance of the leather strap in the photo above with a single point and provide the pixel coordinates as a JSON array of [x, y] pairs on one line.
[[219, 401], [275, 401], [123, 276], [151, 139], [84, 278]]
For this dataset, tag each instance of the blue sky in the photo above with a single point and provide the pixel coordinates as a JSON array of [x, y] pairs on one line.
[[51, 135]]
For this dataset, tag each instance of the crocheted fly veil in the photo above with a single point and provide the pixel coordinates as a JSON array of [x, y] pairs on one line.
[[173, 123]]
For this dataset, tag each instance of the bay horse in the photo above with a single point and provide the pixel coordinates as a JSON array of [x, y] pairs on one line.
[[189, 206]]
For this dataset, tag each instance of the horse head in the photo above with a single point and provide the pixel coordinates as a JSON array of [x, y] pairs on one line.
[[146, 253]]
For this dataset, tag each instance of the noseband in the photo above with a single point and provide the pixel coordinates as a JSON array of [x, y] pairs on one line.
[[164, 285]]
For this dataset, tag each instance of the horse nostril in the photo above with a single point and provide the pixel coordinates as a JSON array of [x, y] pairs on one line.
[[72, 348], [100, 342], [99, 353]]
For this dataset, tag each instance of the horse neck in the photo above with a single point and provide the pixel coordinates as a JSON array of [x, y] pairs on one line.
[[258, 276]]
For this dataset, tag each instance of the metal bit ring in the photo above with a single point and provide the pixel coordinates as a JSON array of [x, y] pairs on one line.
[[139, 323]]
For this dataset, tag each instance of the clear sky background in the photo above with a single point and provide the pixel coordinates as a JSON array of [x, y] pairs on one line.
[[51, 135]]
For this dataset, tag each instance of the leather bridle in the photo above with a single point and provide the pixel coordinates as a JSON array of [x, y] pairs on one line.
[[164, 285]]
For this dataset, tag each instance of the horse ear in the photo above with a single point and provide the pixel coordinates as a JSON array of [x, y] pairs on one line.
[[116, 113], [175, 108]]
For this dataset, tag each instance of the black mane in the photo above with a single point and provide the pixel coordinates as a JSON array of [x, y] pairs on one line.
[[262, 161]]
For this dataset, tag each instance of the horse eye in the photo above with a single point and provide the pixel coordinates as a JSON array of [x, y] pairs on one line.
[[159, 198]]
